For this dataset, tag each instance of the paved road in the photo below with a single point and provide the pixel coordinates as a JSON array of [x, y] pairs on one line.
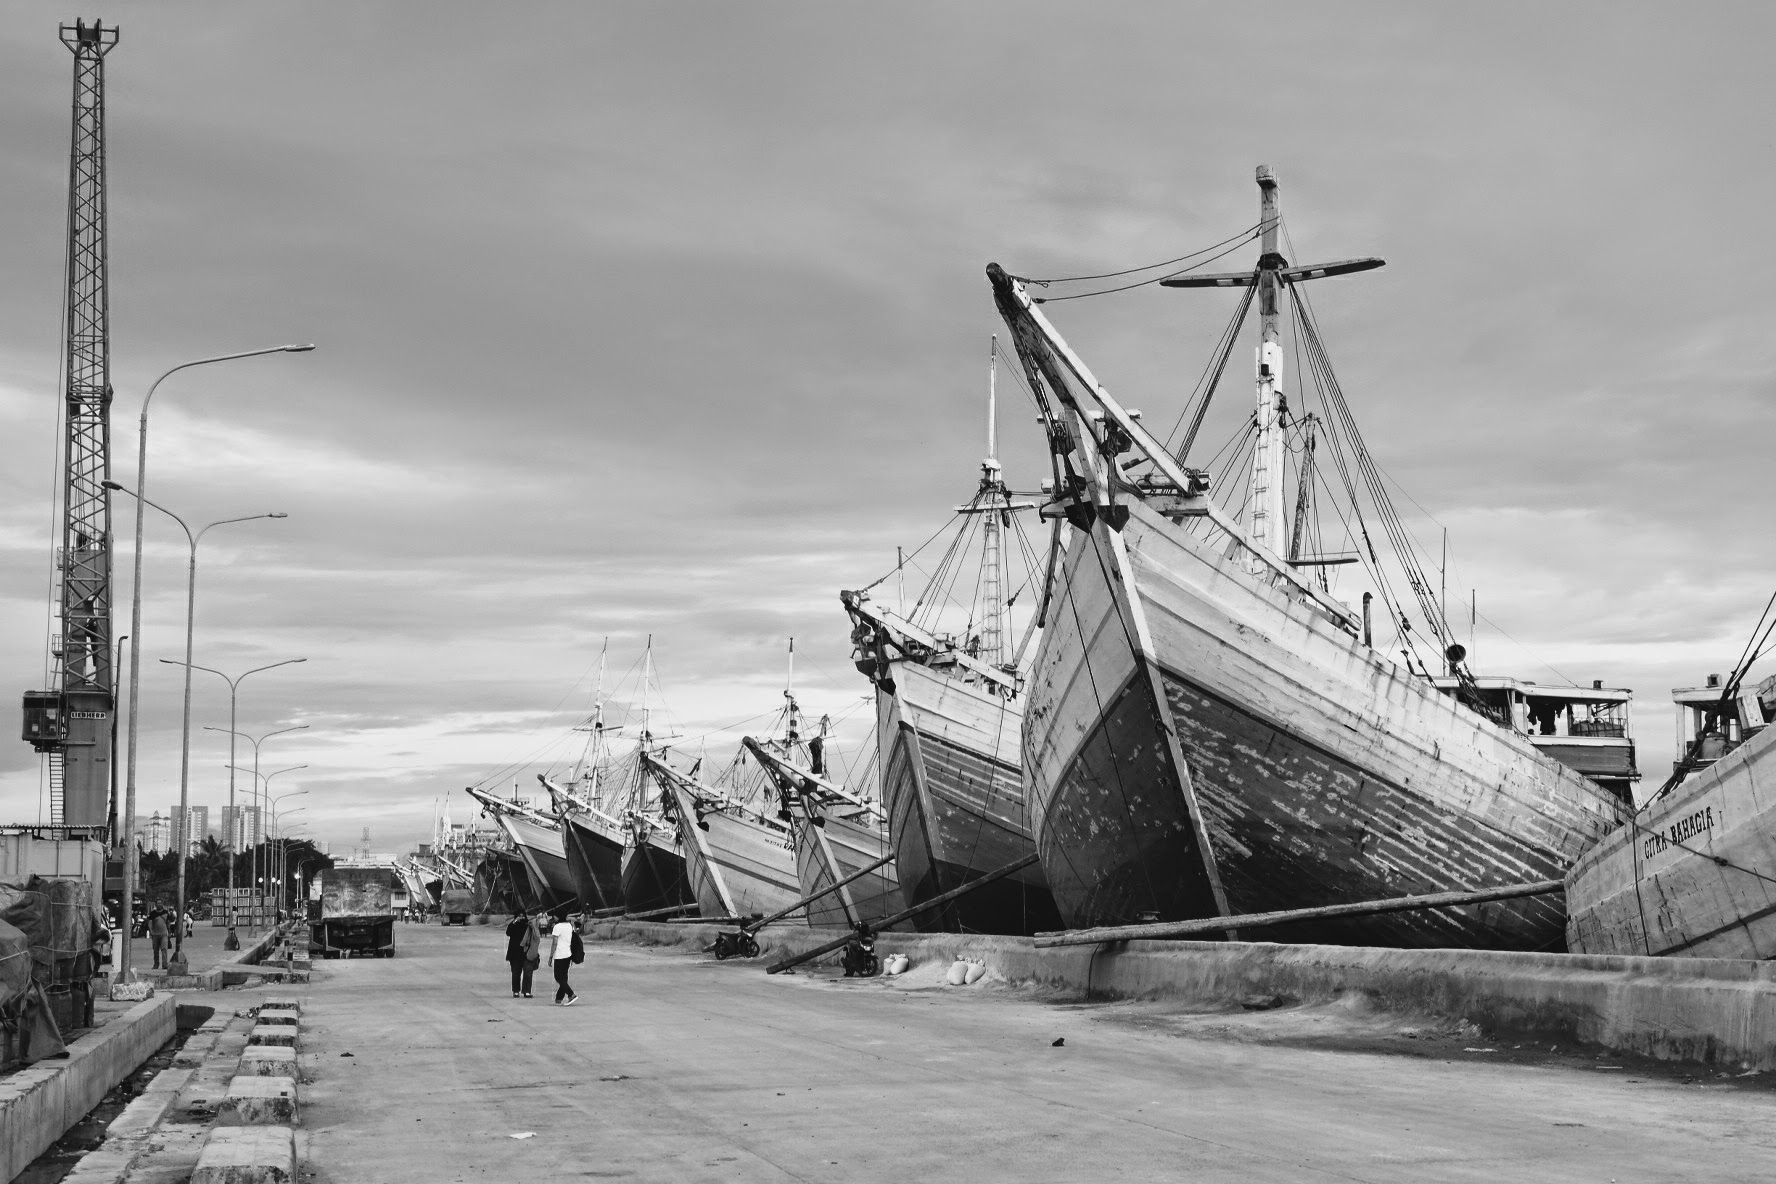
[[675, 1067]]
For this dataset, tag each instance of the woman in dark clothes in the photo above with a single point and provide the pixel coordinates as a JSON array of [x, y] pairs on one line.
[[521, 952]]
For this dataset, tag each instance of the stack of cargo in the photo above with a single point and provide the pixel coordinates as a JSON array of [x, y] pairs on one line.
[[242, 906]]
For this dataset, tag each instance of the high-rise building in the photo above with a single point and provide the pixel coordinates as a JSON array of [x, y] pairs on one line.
[[241, 827], [196, 826], [156, 834]]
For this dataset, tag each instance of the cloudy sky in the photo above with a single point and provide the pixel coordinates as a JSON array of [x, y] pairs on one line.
[[670, 319]]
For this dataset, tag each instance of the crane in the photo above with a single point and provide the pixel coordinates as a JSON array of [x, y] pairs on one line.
[[73, 722]]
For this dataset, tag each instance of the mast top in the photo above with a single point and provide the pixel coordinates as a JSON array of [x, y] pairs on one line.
[[1266, 178]]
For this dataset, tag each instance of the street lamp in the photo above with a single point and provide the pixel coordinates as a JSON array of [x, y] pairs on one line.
[[275, 873], [184, 844], [254, 867], [129, 793], [233, 689]]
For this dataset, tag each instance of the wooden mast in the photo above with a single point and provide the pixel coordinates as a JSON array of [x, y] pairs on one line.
[[992, 647], [1266, 527]]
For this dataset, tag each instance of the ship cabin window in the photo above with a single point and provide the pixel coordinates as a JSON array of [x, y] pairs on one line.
[[1550, 715]]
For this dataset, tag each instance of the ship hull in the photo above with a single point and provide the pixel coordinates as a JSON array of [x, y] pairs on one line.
[[1198, 743], [654, 876], [502, 885], [737, 867], [829, 848], [545, 856], [1681, 880], [953, 787], [595, 861]]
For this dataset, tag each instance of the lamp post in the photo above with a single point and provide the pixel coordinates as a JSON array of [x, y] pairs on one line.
[[265, 783], [259, 815], [135, 681], [233, 689], [184, 844], [275, 873]]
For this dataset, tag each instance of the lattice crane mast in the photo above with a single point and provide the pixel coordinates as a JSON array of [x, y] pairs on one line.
[[73, 721]]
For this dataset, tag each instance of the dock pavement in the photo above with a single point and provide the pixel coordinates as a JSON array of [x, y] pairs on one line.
[[675, 1067]]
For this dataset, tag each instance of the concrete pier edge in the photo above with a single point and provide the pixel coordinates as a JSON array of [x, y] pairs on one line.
[[40, 1102], [1705, 1010]]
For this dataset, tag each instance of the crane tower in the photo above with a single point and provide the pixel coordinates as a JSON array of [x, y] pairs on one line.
[[73, 721]]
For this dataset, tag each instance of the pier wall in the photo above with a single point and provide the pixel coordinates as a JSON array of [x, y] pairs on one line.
[[40, 1102], [1708, 1010]]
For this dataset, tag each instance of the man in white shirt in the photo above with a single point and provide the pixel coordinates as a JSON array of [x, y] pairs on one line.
[[563, 933]]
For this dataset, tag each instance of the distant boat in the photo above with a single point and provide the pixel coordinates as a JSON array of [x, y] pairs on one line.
[[538, 841], [740, 860], [1694, 873], [949, 720], [1209, 732], [837, 833]]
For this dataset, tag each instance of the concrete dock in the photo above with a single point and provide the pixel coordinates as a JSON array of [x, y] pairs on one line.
[[676, 1067]]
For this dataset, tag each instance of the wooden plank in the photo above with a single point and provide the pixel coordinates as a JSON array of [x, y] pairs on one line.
[[1176, 929]]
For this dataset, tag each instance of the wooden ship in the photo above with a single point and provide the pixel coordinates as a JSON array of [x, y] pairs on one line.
[[1694, 872], [739, 858], [537, 840], [949, 723], [1209, 732], [587, 807], [837, 831]]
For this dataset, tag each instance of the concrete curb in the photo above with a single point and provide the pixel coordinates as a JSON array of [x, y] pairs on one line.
[[247, 1155], [39, 1103], [1709, 1010]]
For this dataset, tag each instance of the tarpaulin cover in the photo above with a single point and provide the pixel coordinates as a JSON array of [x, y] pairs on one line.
[[15, 964], [56, 917]]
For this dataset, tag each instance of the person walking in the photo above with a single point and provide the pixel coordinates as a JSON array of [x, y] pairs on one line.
[[521, 951], [564, 935], [157, 933]]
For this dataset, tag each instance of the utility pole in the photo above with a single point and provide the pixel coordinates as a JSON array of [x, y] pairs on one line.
[[72, 721]]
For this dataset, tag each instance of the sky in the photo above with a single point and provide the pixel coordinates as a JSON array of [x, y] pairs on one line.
[[670, 321]]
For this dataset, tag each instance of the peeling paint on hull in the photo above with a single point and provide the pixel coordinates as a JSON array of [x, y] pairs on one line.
[[1177, 699], [953, 788]]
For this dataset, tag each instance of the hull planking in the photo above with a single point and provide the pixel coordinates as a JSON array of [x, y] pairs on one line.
[[1691, 874], [953, 788], [824, 842], [545, 855], [737, 866], [654, 875], [1198, 743], [595, 860]]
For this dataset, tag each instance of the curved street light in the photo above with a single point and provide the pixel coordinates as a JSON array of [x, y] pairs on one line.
[[183, 830], [135, 681], [254, 870], [233, 689]]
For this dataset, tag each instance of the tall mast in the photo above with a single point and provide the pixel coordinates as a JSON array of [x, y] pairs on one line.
[[71, 721], [992, 649], [792, 713], [1266, 527]]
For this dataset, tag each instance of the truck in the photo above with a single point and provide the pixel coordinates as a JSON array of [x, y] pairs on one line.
[[354, 913], [455, 905]]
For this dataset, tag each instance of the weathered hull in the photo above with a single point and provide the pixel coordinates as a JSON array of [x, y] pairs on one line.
[[953, 787], [737, 867], [1694, 875], [595, 861], [545, 856], [654, 876], [1197, 743], [832, 848], [502, 885]]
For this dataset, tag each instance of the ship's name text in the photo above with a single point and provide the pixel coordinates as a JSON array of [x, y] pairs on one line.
[[1688, 827]]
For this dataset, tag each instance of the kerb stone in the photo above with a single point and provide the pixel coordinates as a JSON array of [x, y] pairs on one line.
[[268, 1060], [247, 1155], [277, 1015], [258, 1101], [277, 1034]]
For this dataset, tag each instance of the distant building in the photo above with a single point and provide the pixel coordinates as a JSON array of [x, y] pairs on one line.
[[241, 827], [156, 835], [196, 827]]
